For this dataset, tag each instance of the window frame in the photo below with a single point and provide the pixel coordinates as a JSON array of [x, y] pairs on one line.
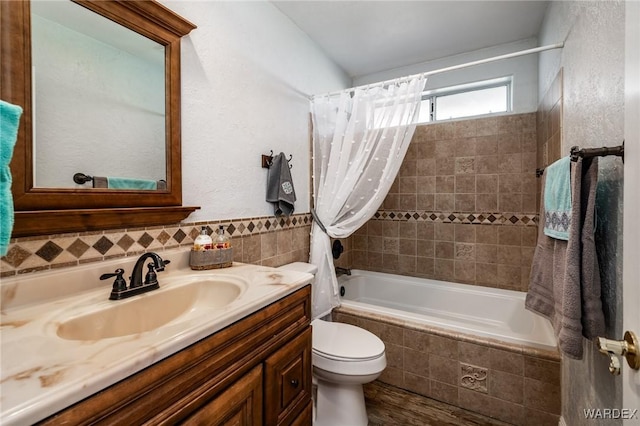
[[432, 95]]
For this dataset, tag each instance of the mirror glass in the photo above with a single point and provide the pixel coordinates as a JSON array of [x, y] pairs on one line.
[[98, 101]]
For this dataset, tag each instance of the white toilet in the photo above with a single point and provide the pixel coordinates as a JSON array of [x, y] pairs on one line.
[[344, 357]]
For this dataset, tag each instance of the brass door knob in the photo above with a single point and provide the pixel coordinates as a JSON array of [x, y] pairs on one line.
[[627, 348]]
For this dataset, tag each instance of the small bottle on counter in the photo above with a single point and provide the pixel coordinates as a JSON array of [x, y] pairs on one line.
[[203, 241], [222, 241]]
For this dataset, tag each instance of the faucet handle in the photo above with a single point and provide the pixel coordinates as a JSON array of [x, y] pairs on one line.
[[164, 262], [119, 284], [152, 277]]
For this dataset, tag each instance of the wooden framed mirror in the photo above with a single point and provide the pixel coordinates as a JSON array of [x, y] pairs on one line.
[[50, 210]]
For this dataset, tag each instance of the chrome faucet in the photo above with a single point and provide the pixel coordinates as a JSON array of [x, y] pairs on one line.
[[136, 285], [342, 271]]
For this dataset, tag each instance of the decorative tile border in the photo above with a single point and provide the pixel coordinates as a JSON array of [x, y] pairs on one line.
[[32, 254], [474, 378], [457, 217]]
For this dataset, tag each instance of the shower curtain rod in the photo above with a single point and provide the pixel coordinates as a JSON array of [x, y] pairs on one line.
[[451, 68]]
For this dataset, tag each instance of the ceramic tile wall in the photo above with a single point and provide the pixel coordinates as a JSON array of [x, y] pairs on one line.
[[463, 207], [512, 383], [549, 127], [549, 124], [271, 241]]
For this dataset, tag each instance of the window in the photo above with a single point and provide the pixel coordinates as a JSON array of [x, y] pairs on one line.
[[479, 98]]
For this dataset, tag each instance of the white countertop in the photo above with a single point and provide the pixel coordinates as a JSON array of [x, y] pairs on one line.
[[42, 373]]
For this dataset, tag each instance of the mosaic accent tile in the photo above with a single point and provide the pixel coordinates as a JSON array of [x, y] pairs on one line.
[[241, 228], [193, 233], [49, 251], [163, 237], [145, 240], [125, 242], [179, 236], [78, 248], [474, 378], [520, 219], [35, 253], [465, 251], [103, 245], [16, 256]]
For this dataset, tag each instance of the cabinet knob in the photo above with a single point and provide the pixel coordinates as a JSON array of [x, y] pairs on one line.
[[295, 383]]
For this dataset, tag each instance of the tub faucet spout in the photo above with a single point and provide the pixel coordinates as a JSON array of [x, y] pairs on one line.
[[342, 271]]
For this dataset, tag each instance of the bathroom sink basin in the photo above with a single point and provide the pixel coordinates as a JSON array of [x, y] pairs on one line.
[[192, 294]]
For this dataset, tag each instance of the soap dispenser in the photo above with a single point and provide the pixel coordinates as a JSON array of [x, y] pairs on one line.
[[222, 241], [203, 241]]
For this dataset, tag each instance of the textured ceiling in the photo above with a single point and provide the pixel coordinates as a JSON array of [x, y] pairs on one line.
[[365, 37]]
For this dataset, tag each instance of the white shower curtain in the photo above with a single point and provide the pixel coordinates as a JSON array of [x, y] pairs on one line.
[[359, 142]]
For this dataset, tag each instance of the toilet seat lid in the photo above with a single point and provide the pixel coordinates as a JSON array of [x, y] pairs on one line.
[[345, 342]]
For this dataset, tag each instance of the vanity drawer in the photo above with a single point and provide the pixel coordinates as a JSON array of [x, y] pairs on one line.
[[288, 381], [239, 405]]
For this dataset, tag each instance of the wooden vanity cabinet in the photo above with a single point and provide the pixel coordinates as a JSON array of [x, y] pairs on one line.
[[288, 381], [256, 371]]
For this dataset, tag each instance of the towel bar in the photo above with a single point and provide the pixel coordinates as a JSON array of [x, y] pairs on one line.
[[576, 152], [81, 178], [604, 151]]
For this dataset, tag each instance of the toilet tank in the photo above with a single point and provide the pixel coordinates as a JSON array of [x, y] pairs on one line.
[[300, 267]]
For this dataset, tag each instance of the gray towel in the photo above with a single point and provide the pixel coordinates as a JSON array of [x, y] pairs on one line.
[[280, 189], [565, 278]]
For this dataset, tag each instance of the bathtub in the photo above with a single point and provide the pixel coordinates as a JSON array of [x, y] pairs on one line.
[[472, 347], [478, 312]]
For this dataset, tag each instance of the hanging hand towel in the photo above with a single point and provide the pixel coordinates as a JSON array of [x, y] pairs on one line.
[[564, 284], [9, 122], [127, 183], [557, 199], [280, 189], [130, 183]]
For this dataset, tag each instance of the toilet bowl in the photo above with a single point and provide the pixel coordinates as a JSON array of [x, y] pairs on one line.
[[344, 357]]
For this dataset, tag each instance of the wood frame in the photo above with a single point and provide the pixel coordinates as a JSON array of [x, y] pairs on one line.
[[54, 210]]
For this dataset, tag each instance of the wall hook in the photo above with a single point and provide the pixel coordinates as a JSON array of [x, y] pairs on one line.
[[267, 160]]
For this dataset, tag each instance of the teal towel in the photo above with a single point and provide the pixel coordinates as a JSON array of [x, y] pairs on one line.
[[9, 122], [557, 199], [129, 183]]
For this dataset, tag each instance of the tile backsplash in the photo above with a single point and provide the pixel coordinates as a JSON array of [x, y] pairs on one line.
[[271, 241], [463, 207]]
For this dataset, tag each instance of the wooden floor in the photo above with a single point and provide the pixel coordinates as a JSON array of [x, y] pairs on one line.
[[391, 406]]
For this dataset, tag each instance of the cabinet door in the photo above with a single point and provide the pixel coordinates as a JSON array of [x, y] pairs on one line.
[[240, 405], [306, 417], [288, 381]]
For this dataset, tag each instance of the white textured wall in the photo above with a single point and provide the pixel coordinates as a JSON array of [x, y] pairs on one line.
[[524, 70], [246, 73], [593, 116]]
